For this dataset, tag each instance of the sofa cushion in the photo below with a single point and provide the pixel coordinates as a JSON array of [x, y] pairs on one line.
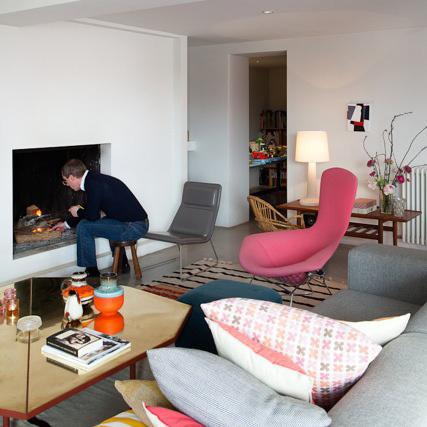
[[418, 322], [137, 392], [271, 367], [381, 330], [332, 353], [218, 393], [163, 417], [393, 390], [124, 419], [356, 306]]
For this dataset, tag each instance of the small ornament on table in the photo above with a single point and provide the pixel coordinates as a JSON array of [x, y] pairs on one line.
[[78, 284], [73, 311]]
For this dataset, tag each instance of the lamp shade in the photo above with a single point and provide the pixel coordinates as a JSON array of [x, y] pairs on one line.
[[312, 147]]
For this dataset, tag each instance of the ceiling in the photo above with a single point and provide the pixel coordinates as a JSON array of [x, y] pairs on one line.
[[223, 21]]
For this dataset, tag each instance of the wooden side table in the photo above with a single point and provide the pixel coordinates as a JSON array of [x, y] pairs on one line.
[[357, 229]]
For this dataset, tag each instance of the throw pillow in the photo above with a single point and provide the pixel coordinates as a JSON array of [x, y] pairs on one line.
[[333, 354], [272, 368], [216, 392], [137, 392], [382, 330], [127, 418], [162, 417]]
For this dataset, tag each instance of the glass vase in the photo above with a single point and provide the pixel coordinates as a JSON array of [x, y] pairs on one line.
[[386, 203], [399, 206]]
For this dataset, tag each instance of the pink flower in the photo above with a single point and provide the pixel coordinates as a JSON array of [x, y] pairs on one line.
[[407, 169], [373, 173], [370, 163], [400, 179], [388, 189]]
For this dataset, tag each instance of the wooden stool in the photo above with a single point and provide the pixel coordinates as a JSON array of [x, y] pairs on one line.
[[117, 256]]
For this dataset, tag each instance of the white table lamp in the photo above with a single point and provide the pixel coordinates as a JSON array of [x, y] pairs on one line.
[[312, 148]]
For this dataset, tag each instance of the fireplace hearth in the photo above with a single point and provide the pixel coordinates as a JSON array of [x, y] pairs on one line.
[[40, 200]]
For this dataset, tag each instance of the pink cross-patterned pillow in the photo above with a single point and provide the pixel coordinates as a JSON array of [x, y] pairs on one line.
[[332, 353]]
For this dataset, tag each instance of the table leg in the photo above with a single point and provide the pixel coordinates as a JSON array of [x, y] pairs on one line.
[[394, 233], [6, 422], [380, 231], [132, 371]]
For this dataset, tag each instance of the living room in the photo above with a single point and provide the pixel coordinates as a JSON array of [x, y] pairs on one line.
[[144, 80]]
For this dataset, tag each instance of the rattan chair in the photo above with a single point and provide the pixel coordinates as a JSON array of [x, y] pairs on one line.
[[270, 219]]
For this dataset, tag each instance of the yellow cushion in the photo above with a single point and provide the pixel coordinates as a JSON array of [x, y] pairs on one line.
[[135, 392], [124, 419]]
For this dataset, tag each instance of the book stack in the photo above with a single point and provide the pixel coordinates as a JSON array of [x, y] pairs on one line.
[[364, 206], [84, 350]]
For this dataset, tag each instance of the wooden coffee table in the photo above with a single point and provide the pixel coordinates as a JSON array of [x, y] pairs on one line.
[[357, 229], [30, 385]]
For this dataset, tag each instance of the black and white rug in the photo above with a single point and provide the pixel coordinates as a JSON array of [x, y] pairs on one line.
[[206, 270]]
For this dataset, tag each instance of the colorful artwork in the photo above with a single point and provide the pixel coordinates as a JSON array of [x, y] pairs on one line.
[[358, 117]]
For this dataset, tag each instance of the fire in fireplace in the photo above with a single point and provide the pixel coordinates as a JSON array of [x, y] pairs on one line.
[[40, 199]]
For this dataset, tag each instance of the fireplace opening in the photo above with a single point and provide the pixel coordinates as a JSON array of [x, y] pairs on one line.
[[40, 199]]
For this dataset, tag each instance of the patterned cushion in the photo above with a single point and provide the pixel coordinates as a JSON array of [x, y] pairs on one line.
[[332, 353], [272, 368], [217, 393], [123, 419], [163, 417]]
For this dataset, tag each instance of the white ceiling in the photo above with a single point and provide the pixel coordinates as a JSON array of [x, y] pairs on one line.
[[221, 21]]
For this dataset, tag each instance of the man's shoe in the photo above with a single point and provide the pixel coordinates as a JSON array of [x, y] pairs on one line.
[[92, 272]]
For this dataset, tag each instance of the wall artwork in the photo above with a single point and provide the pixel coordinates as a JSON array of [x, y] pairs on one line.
[[358, 117]]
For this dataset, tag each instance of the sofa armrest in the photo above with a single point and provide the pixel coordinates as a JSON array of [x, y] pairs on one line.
[[389, 271]]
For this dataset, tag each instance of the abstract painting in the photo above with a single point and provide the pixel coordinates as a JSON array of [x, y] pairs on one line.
[[358, 117]]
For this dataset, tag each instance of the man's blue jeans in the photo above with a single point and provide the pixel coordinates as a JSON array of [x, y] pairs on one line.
[[110, 229]]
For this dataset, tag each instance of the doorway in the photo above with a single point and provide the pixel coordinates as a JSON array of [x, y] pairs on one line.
[[268, 127]]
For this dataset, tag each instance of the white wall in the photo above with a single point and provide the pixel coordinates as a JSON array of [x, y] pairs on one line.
[[221, 116], [387, 69], [73, 83]]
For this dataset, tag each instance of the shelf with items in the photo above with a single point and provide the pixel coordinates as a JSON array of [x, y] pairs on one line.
[[268, 176]]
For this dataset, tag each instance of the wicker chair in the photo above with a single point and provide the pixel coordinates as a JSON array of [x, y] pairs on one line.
[[270, 219]]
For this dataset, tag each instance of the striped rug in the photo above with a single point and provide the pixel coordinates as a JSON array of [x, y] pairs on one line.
[[206, 270]]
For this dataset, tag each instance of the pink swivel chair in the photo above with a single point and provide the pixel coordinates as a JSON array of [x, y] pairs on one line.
[[295, 256]]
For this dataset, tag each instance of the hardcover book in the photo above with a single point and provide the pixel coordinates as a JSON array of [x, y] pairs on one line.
[[75, 342], [363, 203], [111, 348]]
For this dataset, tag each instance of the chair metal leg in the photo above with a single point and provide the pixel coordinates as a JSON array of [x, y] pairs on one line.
[[180, 262], [291, 295], [214, 251]]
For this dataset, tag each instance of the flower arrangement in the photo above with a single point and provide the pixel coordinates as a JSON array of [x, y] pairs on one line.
[[386, 172]]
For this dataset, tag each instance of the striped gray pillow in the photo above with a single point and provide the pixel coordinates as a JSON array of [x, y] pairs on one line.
[[217, 393]]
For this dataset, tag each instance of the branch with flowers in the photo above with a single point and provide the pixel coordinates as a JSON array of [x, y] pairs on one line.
[[386, 172]]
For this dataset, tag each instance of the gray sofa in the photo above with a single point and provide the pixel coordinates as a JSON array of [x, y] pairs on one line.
[[386, 281]]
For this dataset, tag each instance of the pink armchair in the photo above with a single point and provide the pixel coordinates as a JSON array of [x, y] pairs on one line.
[[294, 256]]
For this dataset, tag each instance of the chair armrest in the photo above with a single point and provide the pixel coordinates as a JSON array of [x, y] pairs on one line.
[[389, 271]]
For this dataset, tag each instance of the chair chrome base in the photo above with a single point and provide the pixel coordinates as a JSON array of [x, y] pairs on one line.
[[313, 278]]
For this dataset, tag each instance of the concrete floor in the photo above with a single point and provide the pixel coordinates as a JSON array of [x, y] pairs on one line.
[[227, 243]]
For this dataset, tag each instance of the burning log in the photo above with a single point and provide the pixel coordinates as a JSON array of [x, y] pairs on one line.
[[33, 210], [25, 235]]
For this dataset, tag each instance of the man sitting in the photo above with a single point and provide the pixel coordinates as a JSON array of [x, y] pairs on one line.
[[125, 218]]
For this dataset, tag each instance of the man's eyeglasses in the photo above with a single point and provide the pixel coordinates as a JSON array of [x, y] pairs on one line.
[[65, 182]]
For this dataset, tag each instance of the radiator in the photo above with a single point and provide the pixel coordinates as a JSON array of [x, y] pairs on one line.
[[414, 192]]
